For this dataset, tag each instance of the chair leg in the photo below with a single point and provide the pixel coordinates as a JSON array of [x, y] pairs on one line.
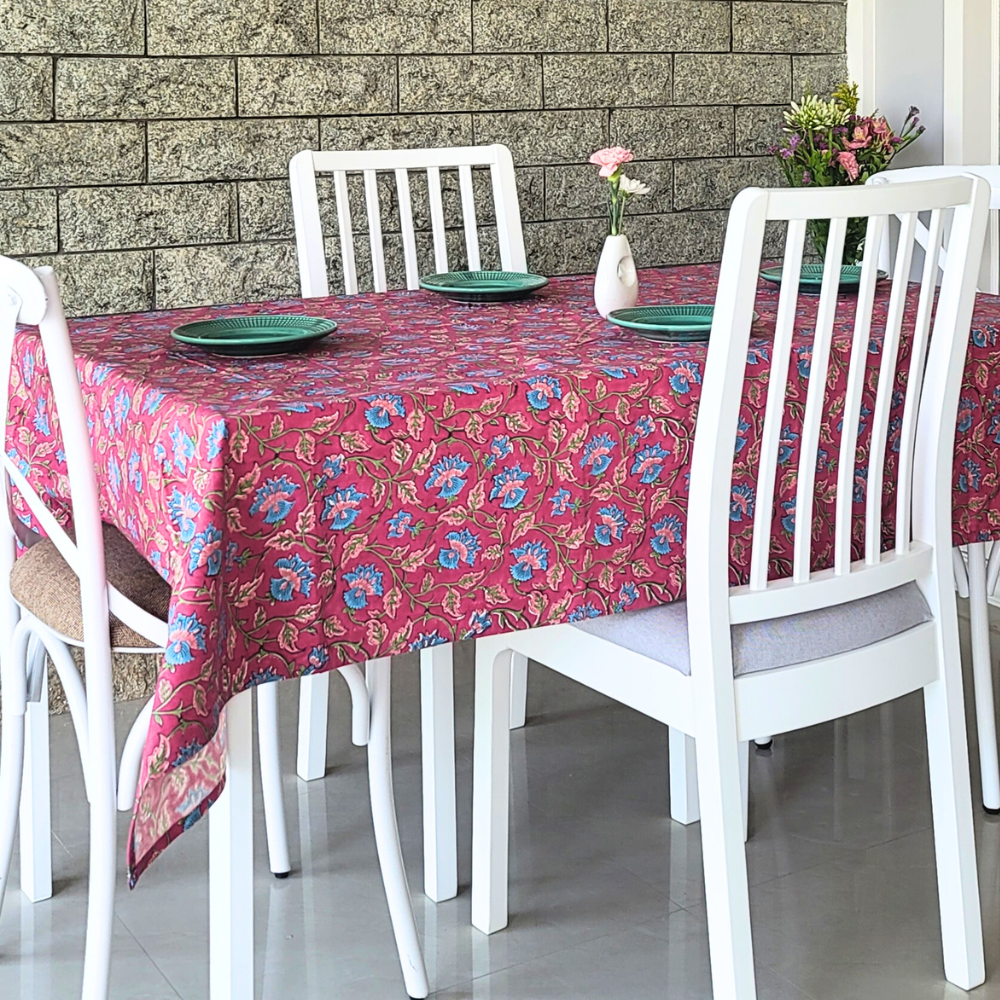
[[727, 894], [390, 856], [683, 778], [437, 730], [491, 787], [744, 751], [314, 700], [982, 677], [36, 805], [13, 698], [954, 836], [230, 863], [518, 690], [270, 779]]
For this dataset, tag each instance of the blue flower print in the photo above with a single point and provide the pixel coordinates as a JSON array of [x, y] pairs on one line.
[[122, 405], [384, 406], [561, 502], [966, 410], [217, 433], [183, 447], [597, 453], [804, 354], [509, 486], [446, 476], [644, 426], [262, 675], [22, 464], [895, 434], [362, 583], [500, 448], [618, 372], [667, 532], [741, 502], [186, 634], [341, 507], [333, 468], [134, 471], [527, 558], [28, 368], [41, 417], [295, 576], [542, 389], [274, 499], [611, 523], [153, 399], [462, 547], [649, 463], [115, 477], [685, 375], [741, 429], [860, 483], [206, 550], [319, 657], [425, 639], [582, 612], [186, 753], [479, 622], [786, 445], [183, 509], [788, 517], [100, 374], [628, 594], [400, 523], [970, 476]]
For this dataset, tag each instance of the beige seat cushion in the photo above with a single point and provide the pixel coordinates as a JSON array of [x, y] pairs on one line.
[[661, 633], [43, 584]]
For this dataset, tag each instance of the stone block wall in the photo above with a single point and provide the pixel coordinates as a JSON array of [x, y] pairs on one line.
[[144, 144]]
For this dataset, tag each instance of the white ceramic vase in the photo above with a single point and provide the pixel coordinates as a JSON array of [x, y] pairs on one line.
[[616, 285]]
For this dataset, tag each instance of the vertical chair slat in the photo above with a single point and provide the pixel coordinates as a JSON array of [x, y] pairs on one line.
[[437, 219], [843, 519], [346, 232], [375, 231], [406, 227], [819, 364], [914, 380], [508, 214], [469, 216], [886, 383], [775, 408]]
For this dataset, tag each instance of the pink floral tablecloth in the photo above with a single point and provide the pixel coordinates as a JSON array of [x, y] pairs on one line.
[[431, 472]]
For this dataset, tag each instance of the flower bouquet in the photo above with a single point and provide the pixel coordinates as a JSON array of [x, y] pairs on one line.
[[616, 285], [828, 143]]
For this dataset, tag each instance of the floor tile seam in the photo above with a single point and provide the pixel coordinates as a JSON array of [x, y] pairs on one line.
[[156, 965]]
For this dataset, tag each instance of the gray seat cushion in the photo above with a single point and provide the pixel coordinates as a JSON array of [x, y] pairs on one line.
[[661, 633]]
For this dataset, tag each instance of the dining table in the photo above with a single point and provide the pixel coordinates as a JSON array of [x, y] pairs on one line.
[[430, 472]]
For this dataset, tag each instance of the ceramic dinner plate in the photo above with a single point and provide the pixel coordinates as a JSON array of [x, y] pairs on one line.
[[254, 336], [675, 324], [484, 286], [811, 277]]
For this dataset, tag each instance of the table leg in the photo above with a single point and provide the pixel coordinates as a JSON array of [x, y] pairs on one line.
[[230, 862], [314, 704], [683, 778], [36, 806], [437, 730], [982, 677]]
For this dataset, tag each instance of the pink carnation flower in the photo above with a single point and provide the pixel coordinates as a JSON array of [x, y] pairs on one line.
[[611, 159], [850, 163]]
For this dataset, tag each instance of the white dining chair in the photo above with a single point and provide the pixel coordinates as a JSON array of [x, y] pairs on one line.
[[436, 674], [976, 577], [774, 655], [92, 590]]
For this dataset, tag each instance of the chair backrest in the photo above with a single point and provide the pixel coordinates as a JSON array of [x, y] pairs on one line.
[[31, 297], [306, 165], [923, 471]]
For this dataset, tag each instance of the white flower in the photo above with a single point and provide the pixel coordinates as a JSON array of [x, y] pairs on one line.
[[629, 186]]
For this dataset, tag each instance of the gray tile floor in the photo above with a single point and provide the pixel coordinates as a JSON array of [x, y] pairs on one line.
[[606, 892]]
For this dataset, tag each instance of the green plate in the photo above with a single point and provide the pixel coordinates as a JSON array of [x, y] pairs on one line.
[[484, 286], [254, 336], [811, 277], [676, 324]]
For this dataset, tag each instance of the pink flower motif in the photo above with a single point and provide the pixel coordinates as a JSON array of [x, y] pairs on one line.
[[849, 162], [882, 130], [611, 159]]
